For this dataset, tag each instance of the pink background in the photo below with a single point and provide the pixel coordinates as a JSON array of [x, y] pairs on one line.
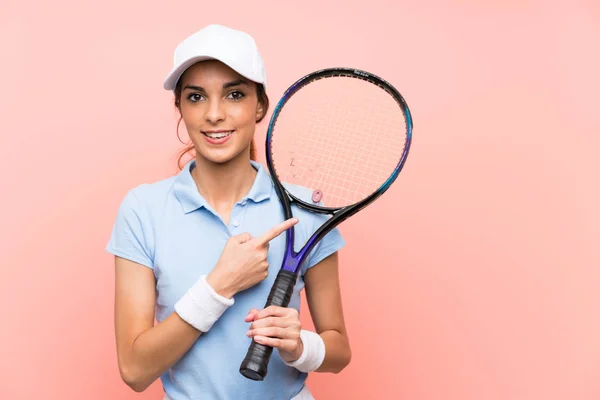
[[480, 277]]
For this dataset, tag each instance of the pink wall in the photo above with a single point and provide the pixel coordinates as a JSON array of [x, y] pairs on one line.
[[486, 282]]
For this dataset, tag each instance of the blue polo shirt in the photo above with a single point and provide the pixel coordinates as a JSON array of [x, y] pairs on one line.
[[167, 226]]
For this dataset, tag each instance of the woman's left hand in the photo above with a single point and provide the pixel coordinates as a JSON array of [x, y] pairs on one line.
[[277, 327]]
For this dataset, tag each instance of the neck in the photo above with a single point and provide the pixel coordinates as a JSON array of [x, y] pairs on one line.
[[223, 185]]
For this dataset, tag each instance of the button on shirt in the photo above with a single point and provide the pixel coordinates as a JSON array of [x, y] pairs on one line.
[[168, 227]]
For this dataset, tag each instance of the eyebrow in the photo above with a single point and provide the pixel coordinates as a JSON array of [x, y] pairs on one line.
[[225, 86]]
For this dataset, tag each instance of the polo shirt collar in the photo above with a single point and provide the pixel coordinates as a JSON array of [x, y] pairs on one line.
[[187, 193]]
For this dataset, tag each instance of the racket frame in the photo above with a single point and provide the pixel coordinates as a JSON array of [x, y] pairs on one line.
[[255, 364]]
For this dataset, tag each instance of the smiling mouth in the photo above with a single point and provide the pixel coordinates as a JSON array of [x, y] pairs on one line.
[[217, 135]]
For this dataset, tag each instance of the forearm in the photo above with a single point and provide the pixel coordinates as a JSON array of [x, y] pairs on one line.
[[337, 351], [156, 350]]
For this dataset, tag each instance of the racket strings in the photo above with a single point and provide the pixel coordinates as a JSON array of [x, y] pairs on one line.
[[340, 136]]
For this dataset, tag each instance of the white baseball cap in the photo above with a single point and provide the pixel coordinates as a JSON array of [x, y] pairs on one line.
[[232, 47]]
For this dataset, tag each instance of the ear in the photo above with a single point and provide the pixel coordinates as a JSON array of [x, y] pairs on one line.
[[259, 111]]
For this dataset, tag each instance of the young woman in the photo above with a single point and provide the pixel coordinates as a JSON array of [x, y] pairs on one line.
[[199, 251]]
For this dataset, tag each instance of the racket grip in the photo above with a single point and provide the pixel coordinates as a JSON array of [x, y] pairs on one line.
[[257, 358]]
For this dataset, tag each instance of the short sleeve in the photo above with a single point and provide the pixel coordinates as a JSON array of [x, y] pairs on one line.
[[131, 233], [331, 243]]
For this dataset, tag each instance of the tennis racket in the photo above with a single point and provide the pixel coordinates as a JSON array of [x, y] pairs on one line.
[[336, 141]]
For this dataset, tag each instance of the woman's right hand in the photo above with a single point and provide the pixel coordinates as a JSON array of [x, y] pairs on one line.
[[243, 262]]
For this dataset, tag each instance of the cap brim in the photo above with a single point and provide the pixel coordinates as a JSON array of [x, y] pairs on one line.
[[171, 80]]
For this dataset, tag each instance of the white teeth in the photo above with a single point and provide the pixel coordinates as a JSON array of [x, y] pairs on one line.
[[219, 135]]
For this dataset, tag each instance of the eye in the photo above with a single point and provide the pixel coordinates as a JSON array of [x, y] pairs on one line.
[[235, 95], [195, 97]]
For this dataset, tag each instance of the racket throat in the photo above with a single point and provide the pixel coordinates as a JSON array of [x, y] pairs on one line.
[[291, 264]]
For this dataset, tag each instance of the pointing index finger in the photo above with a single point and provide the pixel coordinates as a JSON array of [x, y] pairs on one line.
[[275, 231]]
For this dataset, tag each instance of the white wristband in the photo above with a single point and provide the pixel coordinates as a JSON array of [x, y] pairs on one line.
[[313, 352], [201, 306]]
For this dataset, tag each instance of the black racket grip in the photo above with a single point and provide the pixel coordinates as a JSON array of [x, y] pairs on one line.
[[257, 358]]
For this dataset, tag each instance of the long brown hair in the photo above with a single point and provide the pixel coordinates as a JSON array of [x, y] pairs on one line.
[[263, 99]]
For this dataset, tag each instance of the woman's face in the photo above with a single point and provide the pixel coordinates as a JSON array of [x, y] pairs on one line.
[[220, 109]]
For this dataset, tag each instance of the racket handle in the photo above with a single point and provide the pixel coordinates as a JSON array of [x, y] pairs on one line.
[[257, 358]]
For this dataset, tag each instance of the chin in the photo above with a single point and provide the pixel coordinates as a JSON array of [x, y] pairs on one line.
[[221, 156]]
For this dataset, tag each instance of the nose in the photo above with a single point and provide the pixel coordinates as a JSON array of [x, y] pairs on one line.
[[215, 112]]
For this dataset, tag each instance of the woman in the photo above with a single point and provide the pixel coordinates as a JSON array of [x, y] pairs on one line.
[[199, 251]]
